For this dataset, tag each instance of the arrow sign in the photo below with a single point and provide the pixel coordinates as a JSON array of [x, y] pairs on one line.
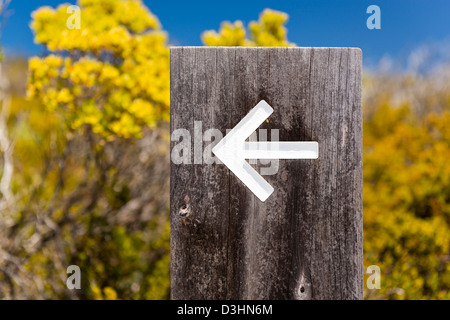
[[232, 150]]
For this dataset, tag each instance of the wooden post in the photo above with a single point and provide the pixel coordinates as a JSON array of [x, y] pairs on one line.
[[305, 240]]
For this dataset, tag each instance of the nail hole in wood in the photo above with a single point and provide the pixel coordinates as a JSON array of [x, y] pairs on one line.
[[184, 210], [302, 289]]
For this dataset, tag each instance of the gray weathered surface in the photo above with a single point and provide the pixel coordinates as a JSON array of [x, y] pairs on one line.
[[305, 241]]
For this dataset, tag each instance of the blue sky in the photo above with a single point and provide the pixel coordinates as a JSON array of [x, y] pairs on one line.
[[405, 24]]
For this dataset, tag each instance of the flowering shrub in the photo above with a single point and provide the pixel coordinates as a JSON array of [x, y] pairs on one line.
[[112, 74], [268, 31]]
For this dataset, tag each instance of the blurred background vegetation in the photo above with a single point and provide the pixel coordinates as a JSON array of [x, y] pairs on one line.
[[84, 160]]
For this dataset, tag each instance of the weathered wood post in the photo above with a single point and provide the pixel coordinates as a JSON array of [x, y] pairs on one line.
[[305, 240]]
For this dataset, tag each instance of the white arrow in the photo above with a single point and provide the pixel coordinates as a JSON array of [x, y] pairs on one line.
[[232, 150]]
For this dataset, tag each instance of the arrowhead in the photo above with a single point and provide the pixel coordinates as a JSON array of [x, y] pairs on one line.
[[230, 150]]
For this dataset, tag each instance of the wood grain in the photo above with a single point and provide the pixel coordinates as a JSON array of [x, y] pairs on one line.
[[305, 241]]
